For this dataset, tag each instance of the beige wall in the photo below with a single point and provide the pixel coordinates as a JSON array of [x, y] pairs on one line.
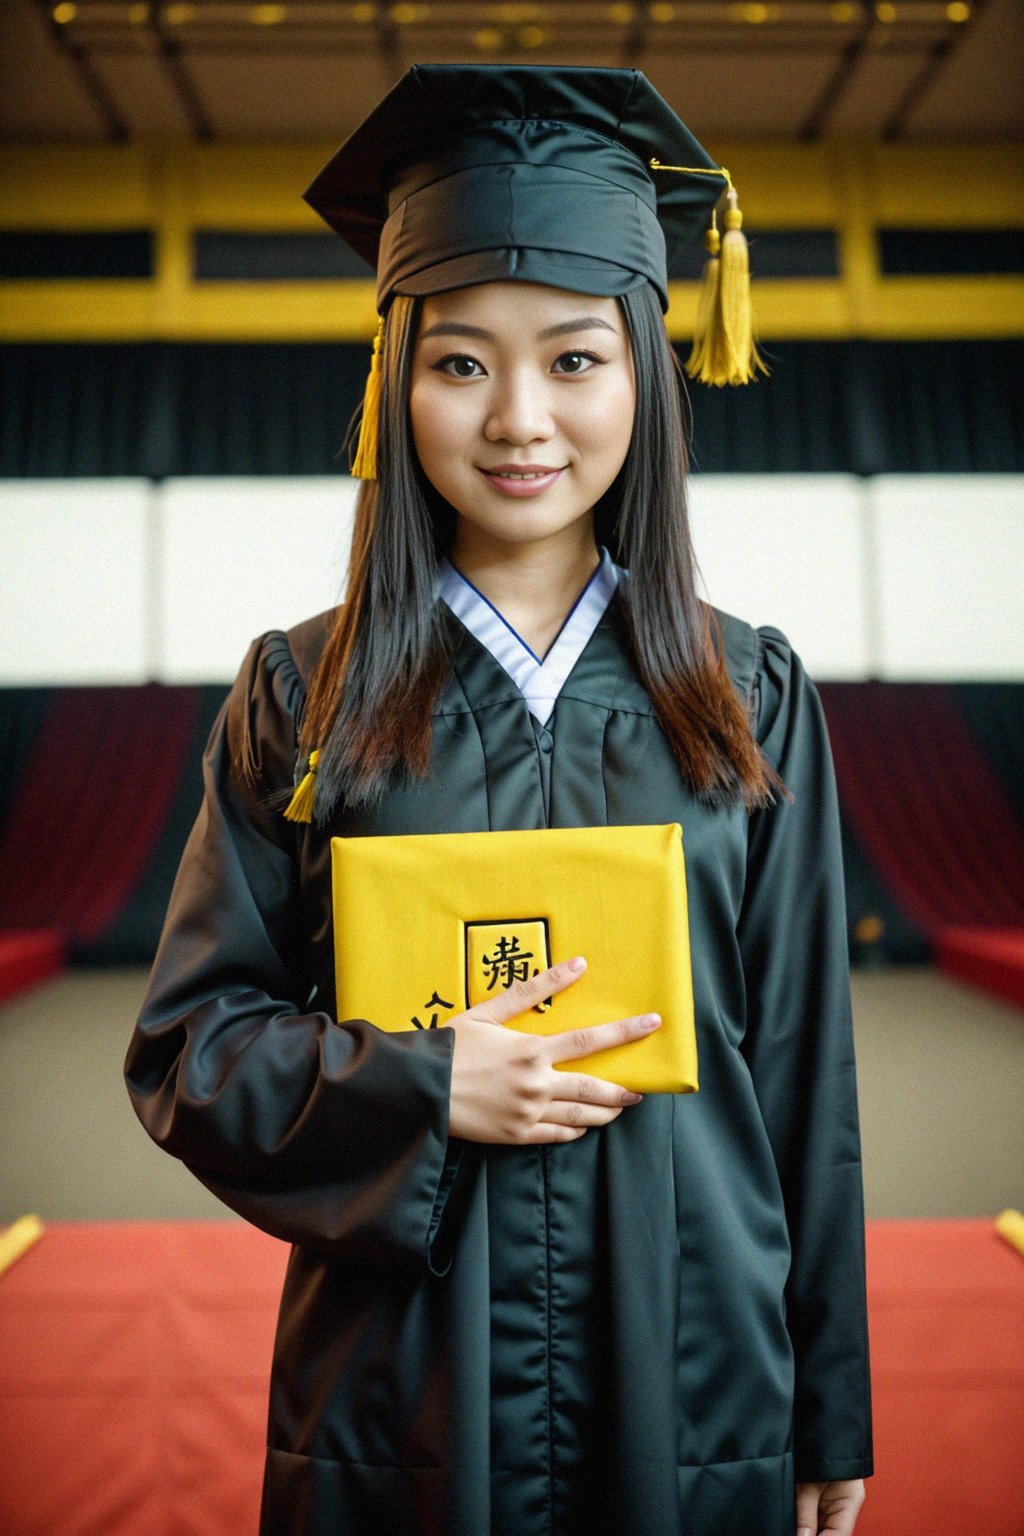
[[941, 1074]]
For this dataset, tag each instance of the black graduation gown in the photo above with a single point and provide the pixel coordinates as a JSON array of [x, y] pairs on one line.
[[655, 1329]]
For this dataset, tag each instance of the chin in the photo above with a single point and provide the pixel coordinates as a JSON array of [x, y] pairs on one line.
[[522, 531], [520, 522]]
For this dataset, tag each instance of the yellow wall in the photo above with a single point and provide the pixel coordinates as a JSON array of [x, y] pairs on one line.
[[176, 188]]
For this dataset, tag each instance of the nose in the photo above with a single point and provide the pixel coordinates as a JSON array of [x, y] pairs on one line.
[[519, 409]]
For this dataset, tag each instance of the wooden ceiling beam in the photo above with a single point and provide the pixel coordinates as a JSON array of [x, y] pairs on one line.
[[386, 33], [838, 83], [115, 128], [635, 41], [172, 61], [895, 125]]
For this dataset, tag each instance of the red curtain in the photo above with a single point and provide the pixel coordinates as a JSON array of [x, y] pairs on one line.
[[925, 805], [93, 799]]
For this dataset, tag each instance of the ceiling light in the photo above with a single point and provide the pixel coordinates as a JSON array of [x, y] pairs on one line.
[[406, 15], [62, 14]]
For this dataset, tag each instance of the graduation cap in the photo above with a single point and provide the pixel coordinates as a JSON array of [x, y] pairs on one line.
[[580, 178]]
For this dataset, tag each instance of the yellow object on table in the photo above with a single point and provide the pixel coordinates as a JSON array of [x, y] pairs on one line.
[[1010, 1225], [18, 1238]]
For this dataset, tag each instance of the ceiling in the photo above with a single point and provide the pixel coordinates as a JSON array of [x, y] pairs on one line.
[[214, 70]]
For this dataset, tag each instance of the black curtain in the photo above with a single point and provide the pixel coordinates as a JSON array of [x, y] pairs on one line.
[[159, 409]]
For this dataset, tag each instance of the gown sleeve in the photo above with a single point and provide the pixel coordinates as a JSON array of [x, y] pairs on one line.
[[328, 1134], [799, 1048]]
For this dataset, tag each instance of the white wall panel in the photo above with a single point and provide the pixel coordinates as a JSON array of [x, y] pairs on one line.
[[240, 556], [115, 581], [73, 581], [788, 550], [950, 559]]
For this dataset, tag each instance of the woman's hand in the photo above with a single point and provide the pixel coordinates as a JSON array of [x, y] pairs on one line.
[[830, 1508], [505, 1087]]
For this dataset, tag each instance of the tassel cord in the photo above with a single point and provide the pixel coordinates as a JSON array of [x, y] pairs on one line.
[[364, 466], [300, 806], [697, 362]]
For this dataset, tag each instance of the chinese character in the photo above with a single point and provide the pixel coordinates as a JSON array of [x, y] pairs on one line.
[[508, 963], [435, 1001]]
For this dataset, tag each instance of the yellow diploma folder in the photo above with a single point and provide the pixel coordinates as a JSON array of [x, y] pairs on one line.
[[428, 925]]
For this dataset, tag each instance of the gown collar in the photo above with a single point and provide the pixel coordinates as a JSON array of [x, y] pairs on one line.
[[539, 681]]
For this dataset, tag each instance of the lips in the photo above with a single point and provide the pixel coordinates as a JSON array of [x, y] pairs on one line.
[[523, 471], [521, 479]]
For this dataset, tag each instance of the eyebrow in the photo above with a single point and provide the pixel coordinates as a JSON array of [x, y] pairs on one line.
[[564, 328]]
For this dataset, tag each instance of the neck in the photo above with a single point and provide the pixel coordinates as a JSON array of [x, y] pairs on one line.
[[537, 582]]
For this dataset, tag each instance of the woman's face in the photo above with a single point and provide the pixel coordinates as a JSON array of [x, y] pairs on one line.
[[518, 377]]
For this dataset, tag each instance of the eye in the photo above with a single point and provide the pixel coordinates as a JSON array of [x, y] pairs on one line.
[[457, 357], [578, 357], [457, 365]]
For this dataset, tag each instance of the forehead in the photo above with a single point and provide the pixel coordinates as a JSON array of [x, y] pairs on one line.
[[511, 305]]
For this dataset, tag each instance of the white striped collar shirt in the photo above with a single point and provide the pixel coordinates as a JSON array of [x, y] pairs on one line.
[[539, 681]]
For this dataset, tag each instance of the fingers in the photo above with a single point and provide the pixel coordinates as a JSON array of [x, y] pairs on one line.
[[807, 1496], [600, 1037], [593, 1091], [572, 1112], [569, 1119], [544, 1133], [838, 1503], [521, 996], [584, 1101]]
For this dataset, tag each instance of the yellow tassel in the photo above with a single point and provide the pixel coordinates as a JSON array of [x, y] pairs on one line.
[[365, 465], [1010, 1225], [18, 1239], [697, 359], [300, 806], [724, 351], [731, 349]]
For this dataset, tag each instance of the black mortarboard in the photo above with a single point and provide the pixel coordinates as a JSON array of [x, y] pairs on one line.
[[578, 178], [466, 173]]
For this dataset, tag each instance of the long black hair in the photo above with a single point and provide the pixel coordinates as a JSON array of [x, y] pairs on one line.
[[386, 660]]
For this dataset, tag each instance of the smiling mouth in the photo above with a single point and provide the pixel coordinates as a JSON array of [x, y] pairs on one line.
[[506, 475], [520, 474], [522, 483]]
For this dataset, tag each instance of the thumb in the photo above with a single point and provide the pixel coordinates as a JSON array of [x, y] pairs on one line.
[[808, 1496]]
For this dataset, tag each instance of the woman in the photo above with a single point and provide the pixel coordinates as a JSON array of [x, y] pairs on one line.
[[519, 1299]]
